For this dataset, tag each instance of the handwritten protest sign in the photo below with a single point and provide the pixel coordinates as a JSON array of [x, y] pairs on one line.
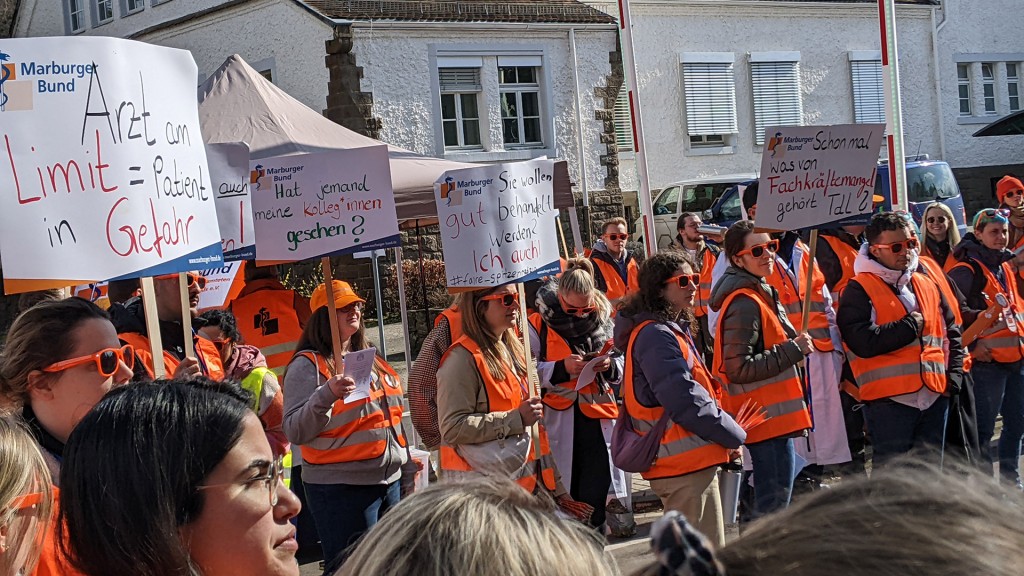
[[229, 175], [311, 205], [222, 286], [817, 175], [103, 171], [498, 223]]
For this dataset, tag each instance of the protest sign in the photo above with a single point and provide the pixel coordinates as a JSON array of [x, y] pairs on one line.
[[497, 223], [222, 286], [311, 205], [103, 171], [817, 175], [229, 175], [95, 293]]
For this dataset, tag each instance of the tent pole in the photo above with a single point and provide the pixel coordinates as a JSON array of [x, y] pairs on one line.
[[423, 279]]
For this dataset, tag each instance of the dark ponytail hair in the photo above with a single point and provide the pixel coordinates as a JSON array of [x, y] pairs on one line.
[[131, 470]]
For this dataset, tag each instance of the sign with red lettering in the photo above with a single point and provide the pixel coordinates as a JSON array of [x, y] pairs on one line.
[[103, 171], [229, 176], [498, 223], [311, 205], [813, 176]]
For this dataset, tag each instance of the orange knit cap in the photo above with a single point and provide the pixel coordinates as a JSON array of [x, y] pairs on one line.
[[1008, 184]]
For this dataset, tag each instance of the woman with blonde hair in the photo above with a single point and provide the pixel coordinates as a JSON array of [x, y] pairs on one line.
[[572, 327], [484, 401], [352, 450], [479, 527], [941, 235], [25, 498]]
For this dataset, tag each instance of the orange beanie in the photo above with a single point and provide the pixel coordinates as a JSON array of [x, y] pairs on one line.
[[1006, 184]]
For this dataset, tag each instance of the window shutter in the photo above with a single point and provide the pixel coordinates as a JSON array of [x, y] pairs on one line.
[[710, 99], [459, 79], [777, 100], [868, 92], [623, 122]]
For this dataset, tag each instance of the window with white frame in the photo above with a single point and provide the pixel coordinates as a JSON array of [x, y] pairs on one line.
[[988, 87], [709, 95], [775, 80], [868, 90], [103, 11], [519, 88], [1013, 86], [623, 122], [74, 15], [460, 107], [963, 81], [132, 6]]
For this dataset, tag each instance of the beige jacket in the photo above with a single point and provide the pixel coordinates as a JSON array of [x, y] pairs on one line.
[[462, 409]]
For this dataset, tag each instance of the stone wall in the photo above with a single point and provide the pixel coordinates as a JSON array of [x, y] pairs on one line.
[[978, 185]]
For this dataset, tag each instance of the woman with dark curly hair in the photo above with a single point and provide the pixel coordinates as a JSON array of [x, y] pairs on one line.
[[666, 385]]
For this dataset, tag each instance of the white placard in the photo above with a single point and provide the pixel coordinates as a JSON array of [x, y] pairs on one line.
[[498, 223], [817, 175], [589, 372], [221, 285], [103, 172], [229, 175], [359, 367], [311, 205]]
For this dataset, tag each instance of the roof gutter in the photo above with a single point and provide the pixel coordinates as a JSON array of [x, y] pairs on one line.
[[433, 25]]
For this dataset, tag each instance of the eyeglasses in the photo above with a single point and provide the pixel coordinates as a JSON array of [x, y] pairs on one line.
[[272, 478], [684, 280], [758, 250], [989, 215], [29, 500], [353, 307], [616, 237], [1013, 193], [107, 361], [192, 278], [508, 300], [936, 219], [897, 247], [221, 343], [575, 310]]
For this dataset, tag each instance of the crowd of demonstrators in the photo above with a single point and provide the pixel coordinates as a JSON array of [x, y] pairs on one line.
[[571, 327], [668, 387], [352, 451], [703, 255]]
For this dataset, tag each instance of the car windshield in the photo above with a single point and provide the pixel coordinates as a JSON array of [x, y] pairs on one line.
[[931, 183], [700, 197]]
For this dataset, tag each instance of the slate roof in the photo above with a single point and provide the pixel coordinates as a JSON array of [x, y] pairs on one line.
[[530, 11]]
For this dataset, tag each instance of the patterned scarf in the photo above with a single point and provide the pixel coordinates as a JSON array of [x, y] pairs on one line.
[[584, 335]]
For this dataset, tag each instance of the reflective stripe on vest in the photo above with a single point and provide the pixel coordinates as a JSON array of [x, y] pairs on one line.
[[357, 430], [782, 396], [792, 297], [1005, 344], [253, 383], [920, 363], [616, 287], [209, 357], [934, 271], [700, 305], [454, 322], [267, 320], [681, 452], [503, 395], [847, 255], [594, 403]]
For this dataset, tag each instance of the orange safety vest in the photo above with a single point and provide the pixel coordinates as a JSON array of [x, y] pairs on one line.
[[594, 402], [454, 322], [681, 451], [920, 363], [503, 395], [1005, 344], [700, 306], [792, 297], [782, 396], [267, 320], [616, 287], [207, 354], [933, 270], [357, 430], [52, 562], [847, 255]]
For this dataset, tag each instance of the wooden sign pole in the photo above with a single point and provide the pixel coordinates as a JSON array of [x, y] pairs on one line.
[[809, 275], [186, 315], [332, 310], [531, 367], [156, 344]]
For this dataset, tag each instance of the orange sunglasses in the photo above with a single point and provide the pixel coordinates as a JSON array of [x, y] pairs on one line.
[[107, 361], [192, 278]]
